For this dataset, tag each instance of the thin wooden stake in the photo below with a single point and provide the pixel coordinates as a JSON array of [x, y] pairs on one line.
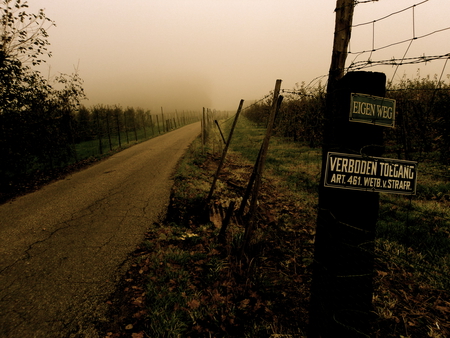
[[223, 230], [251, 224], [224, 153], [220, 130], [162, 120], [265, 144]]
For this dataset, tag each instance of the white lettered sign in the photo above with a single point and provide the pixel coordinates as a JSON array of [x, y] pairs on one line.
[[372, 109], [356, 172]]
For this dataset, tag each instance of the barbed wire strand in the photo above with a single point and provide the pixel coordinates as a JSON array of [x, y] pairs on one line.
[[396, 69], [371, 63], [402, 41]]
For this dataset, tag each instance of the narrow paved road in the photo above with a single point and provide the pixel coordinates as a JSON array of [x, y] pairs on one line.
[[64, 247]]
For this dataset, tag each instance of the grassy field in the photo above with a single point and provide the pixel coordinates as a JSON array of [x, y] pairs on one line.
[[188, 283]]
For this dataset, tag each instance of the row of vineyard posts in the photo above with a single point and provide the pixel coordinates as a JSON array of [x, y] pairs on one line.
[[50, 138], [114, 126]]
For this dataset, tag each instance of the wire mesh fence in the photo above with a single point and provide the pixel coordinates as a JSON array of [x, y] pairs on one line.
[[409, 245]]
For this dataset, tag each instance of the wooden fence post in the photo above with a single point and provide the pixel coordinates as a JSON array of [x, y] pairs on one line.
[[203, 127], [260, 166], [108, 128], [224, 153], [162, 120], [117, 111], [157, 124], [126, 125], [99, 131], [256, 168], [341, 298], [143, 124], [220, 131], [134, 124]]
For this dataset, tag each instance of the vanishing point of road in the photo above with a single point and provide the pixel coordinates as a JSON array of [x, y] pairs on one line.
[[64, 247]]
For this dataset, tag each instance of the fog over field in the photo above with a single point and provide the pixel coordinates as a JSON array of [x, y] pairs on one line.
[[189, 54]]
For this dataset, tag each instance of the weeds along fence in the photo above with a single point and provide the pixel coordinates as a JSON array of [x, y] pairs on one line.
[[411, 252]]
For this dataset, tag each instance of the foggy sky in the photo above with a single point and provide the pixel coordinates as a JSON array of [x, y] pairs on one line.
[[189, 54]]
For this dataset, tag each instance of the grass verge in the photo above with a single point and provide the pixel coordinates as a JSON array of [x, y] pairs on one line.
[[187, 283]]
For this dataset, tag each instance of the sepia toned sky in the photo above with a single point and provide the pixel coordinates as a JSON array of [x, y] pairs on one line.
[[189, 54]]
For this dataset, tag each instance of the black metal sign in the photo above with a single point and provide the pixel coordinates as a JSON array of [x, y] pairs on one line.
[[355, 172]]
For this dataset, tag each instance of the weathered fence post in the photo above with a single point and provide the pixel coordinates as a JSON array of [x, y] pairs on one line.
[[126, 125], [116, 113], [133, 115], [157, 124], [341, 299], [277, 99], [260, 166], [257, 169], [224, 153], [152, 124], [204, 126], [220, 131], [99, 131], [108, 128], [143, 124], [162, 120]]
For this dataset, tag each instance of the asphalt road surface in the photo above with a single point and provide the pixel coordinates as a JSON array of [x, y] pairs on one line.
[[64, 247]]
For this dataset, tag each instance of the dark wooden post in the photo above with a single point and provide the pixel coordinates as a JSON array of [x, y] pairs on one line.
[[224, 153], [99, 131], [260, 158], [152, 124], [341, 299], [117, 113], [125, 122], [157, 123], [108, 128], [133, 115], [203, 127], [220, 131], [276, 103], [162, 120], [143, 124]]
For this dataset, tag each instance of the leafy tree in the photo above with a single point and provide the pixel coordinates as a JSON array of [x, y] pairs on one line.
[[35, 116], [23, 35]]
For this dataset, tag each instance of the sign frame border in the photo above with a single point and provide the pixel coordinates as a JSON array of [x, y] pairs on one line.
[[373, 121], [384, 159]]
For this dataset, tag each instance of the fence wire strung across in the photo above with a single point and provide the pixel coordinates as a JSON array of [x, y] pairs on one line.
[[411, 251]]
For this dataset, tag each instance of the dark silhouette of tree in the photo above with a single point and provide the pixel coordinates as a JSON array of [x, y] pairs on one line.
[[35, 115]]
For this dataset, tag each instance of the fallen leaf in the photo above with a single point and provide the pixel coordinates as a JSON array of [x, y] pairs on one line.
[[244, 303], [382, 273], [193, 304]]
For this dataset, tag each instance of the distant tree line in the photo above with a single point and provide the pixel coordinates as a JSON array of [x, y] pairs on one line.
[[422, 127]]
